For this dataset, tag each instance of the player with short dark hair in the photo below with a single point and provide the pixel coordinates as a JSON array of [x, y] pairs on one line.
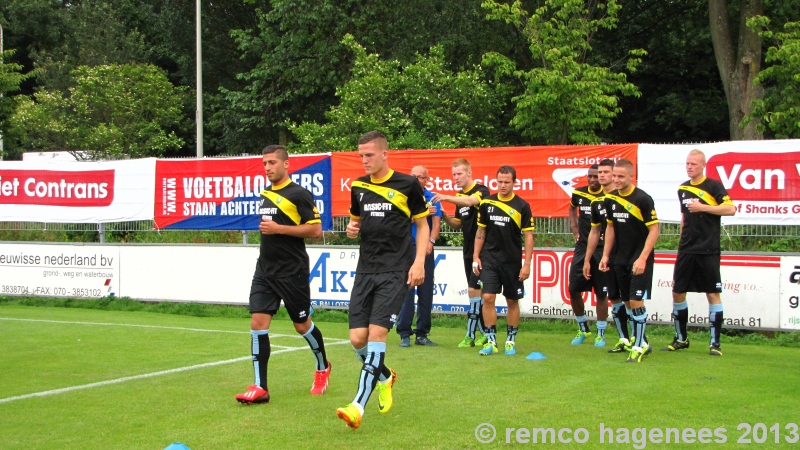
[[288, 215], [632, 231], [580, 216], [703, 203], [591, 267], [497, 256], [467, 201], [382, 205]]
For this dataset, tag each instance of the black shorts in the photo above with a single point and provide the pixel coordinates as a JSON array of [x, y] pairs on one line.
[[634, 287], [473, 280], [599, 280], [502, 279], [266, 294], [377, 299], [696, 273], [611, 287]]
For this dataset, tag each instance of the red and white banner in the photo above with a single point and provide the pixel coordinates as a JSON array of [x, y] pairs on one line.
[[546, 175], [762, 178], [77, 192]]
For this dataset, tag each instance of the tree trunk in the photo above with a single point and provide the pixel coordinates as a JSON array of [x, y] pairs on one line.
[[738, 65]]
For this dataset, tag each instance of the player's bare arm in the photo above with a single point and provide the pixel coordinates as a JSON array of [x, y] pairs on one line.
[[609, 238], [306, 230], [435, 228], [480, 238], [458, 200], [353, 228], [525, 271], [718, 210], [652, 236], [591, 245], [452, 222], [573, 222], [416, 274]]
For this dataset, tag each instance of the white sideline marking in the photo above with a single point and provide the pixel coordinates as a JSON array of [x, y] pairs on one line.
[[107, 324], [150, 375]]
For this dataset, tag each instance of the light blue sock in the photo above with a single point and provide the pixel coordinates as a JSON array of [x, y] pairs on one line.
[[361, 353], [472, 316], [582, 325], [715, 313], [640, 324]]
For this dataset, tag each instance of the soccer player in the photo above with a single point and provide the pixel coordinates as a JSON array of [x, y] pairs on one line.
[[580, 217], [425, 290], [467, 201], [591, 266], [382, 205], [497, 256], [703, 202], [288, 215], [632, 231]]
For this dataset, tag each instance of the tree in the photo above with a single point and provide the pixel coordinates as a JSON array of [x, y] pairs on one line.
[[111, 112], [419, 105], [302, 59], [566, 99], [11, 77], [780, 108], [682, 97], [738, 64]]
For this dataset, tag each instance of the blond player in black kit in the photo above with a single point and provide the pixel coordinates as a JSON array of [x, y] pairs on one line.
[[467, 201], [703, 202], [382, 206], [632, 232]]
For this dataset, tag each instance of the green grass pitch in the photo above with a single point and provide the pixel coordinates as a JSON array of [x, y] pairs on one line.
[[125, 379]]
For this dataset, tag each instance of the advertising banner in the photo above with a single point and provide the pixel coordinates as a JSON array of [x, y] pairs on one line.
[[59, 270], [762, 178], [790, 293], [545, 175], [747, 281], [224, 193], [759, 291], [77, 192]]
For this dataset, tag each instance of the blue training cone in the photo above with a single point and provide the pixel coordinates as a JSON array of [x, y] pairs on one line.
[[535, 356], [176, 446]]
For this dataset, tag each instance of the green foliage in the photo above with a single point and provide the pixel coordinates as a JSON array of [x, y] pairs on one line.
[[11, 77], [421, 105], [780, 109], [111, 112], [93, 33], [566, 99]]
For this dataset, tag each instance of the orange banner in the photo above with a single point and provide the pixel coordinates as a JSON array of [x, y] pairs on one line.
[[546, 175]]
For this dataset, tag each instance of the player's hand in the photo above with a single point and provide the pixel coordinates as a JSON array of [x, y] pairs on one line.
[[437, 197], [430, 248], [432, 209], [576, 236], [696, 206], [639, 266], [524, 273], [587, 270], [416, 274], [603, 264], [476, 266], [353, 228], [269, 227]]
